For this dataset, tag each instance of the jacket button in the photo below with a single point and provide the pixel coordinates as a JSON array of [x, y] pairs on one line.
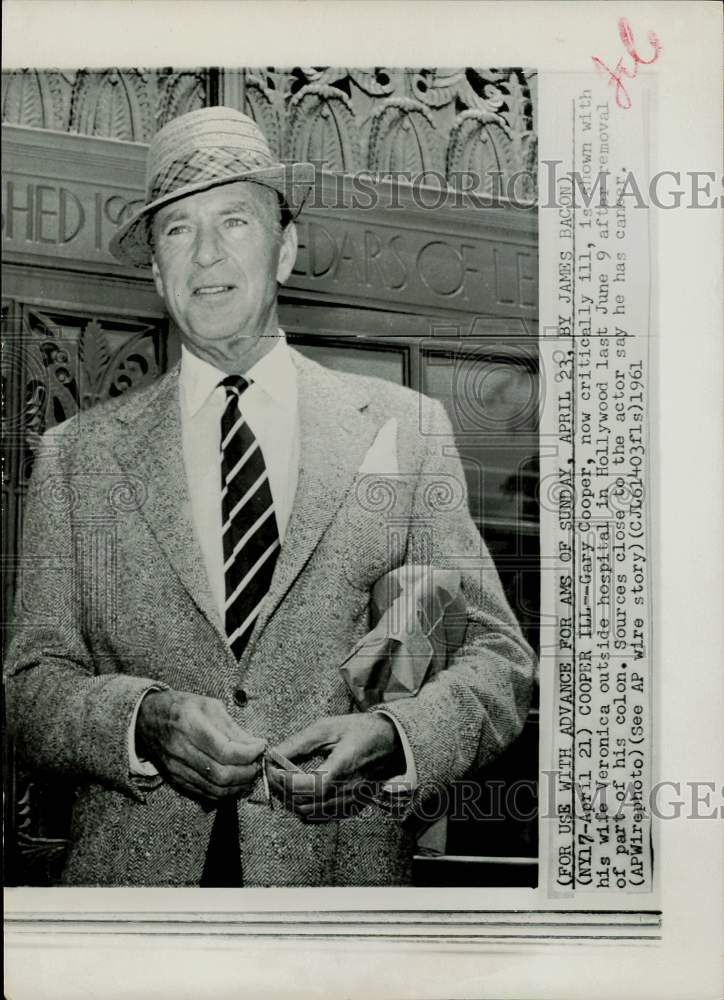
[[240, 697]]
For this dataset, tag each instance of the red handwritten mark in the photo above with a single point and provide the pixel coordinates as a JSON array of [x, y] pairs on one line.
[[621, 72]]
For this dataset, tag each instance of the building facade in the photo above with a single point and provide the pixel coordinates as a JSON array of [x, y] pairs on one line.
[[417, 264]]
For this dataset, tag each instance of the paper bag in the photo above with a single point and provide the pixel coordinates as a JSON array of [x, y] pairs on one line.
[[419, 617]]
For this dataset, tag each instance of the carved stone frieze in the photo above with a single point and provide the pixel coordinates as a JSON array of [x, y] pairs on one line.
[[403, 139], [179, 93], [419, 120], [113, 104], [322, 127], [56, 364], [480, 148], [442, 120], [262, 104], [38, 98], [129, 104], [84, 360]]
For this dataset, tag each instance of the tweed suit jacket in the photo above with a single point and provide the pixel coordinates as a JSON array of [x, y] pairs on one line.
[[113, 598]]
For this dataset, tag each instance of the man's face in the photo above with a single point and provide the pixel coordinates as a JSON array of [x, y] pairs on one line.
[[218, 256]]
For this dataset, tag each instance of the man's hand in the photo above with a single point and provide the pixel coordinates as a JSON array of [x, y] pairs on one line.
[[361, 745], [196, 745]]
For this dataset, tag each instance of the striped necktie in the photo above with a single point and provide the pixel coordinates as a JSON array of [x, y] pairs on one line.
[[249, 526], [251, 547]]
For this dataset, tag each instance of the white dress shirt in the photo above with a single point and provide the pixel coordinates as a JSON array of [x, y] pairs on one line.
[[269, 407]]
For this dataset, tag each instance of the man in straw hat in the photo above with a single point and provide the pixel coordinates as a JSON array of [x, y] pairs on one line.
[[199, 557]]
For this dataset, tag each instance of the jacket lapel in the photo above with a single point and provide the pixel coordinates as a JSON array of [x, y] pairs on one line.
[[151, 446], [335, 434]]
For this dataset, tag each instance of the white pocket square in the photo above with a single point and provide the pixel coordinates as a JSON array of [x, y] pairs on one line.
[[381, 458]]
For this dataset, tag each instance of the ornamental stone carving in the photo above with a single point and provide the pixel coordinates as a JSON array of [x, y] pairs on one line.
[[448, 121], [35, 98], [112, 104], [56, 364], [403, 139], [322, 128]]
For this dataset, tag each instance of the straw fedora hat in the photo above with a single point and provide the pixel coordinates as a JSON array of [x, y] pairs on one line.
[[198, 151]]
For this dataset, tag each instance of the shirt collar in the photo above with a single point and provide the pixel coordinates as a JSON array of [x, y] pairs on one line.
[[274, 374]]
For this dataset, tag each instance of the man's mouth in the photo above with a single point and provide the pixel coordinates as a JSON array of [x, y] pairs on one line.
[[212, 289]]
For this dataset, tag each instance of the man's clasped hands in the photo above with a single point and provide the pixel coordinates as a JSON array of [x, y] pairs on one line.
[[199, 749]]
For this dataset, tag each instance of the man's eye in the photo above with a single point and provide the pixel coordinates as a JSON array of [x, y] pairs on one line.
[[234, 220], [177, 229]]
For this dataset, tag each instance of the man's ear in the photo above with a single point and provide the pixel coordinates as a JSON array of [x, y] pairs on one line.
[[287, 253], [157, 278]]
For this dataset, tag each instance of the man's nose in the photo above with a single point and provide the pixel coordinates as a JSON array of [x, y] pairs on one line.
[[207, 246]]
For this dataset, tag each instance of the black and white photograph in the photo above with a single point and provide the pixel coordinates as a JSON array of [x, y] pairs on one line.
[[274, 537], [361, 454]]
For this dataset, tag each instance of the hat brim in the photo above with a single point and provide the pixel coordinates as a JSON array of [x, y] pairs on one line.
[[130, 243]]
